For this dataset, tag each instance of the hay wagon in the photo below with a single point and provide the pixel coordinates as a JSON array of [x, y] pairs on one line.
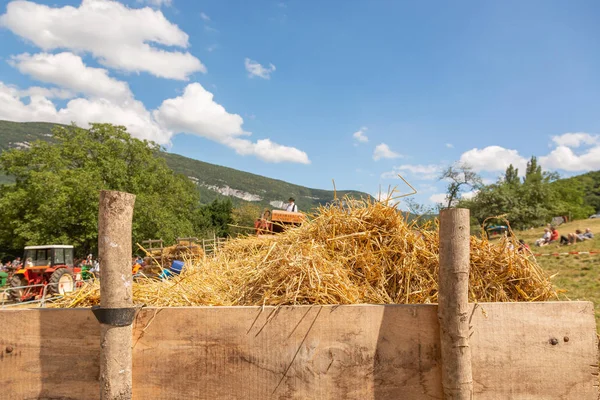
[[454, 349]]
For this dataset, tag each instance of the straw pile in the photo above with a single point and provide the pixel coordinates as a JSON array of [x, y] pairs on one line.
[[183, 250], [363, 252]]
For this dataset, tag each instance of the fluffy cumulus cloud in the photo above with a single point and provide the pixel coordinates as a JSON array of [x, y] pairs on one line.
[[564, 158], [268, 151], [424, 172], [575, 140], [493, 159], [68, 71], [119, 37], [573, 152], [360, 136], [12, 108], [15, 106], [196, 112], [383, 151], [255, 69]]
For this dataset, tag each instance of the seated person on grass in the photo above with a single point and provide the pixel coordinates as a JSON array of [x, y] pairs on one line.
[[544, 239], [554, 236], [580, 236]]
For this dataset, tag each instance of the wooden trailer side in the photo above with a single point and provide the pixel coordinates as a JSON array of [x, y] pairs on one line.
[[519, 351]]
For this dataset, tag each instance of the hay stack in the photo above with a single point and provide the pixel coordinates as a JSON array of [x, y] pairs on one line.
[[364, 252], [182, 250]]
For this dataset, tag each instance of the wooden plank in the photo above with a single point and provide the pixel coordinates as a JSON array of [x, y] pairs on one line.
[[513, 356], [54, 354], [319, 352]]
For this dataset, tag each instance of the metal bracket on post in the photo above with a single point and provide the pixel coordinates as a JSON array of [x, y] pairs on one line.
[[115, 316]]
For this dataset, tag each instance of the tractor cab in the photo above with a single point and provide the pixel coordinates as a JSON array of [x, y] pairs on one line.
[[45, 270], [45, 257]]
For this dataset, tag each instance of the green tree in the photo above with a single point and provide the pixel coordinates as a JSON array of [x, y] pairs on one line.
[[56, 191], [511, 177], [533, 172], [244, 217], [216, 218], [534, 202]]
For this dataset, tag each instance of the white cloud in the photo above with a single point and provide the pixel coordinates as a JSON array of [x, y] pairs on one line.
[[68, 71], [383, 151], [204, 17], [194, 112], [439, 198], [449, 145], [133, 115], [197, 113], [212, 48], [493, 158], [82, 111], [360, 135], [255, 69], [424, 172], [267, 151], [51, 93], [575, 140], [564, 158], [118, 36], [12, 108]]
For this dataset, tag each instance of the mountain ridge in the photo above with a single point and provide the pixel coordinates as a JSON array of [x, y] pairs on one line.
[[213, 181]]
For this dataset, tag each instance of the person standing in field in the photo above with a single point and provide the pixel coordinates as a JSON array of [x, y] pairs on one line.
[[291, 207]]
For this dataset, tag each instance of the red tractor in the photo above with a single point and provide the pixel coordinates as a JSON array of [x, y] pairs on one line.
[[45, 270]]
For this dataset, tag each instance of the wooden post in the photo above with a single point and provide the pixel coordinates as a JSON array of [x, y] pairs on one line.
[[453, 307], [114, 252]]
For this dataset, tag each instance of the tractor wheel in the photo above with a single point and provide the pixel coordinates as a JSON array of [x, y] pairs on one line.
[[61, 282], [15, 282]]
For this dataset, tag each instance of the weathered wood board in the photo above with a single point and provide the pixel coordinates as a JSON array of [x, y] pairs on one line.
[[310, 352]]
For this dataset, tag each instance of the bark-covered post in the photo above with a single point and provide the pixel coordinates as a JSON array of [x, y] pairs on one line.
[[453, 307], [116, 300]]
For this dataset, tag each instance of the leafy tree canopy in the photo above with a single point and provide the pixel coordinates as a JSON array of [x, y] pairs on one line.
[[532, 202], [56, 191]]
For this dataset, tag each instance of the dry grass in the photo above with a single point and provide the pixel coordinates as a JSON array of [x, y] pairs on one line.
[[362, 252]]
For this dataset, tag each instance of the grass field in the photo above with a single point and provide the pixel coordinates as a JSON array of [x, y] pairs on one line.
[[577, 275]]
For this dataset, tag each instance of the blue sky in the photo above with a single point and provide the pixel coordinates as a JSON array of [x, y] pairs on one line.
[[426, 84]]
